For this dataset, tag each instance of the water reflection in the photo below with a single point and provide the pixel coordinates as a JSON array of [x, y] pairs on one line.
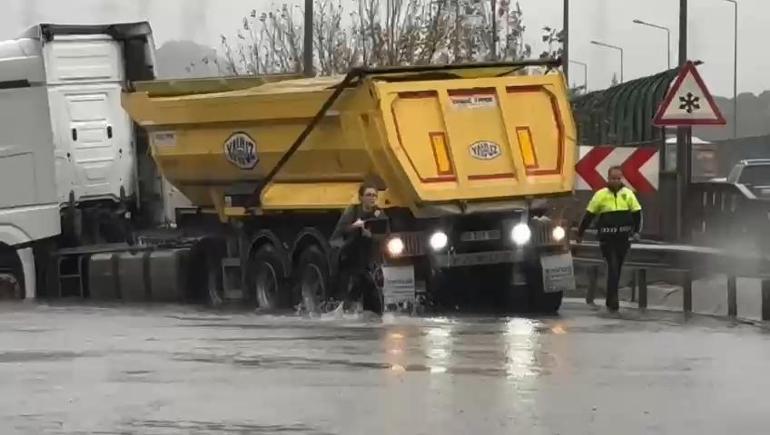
[[509, 348], [520, 344], [438, 348], [395, 346], [558, 329]]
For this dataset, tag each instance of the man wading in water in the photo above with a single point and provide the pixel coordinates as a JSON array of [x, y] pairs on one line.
[[358, 249]]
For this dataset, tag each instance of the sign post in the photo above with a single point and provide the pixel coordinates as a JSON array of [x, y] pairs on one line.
[[687, 103]]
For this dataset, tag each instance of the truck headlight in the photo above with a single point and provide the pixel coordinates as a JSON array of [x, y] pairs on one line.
[[521, 234], [559, 233], [438, 240], [395, 246]]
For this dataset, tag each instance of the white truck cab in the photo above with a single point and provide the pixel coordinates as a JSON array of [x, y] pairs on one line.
[[68, 157]]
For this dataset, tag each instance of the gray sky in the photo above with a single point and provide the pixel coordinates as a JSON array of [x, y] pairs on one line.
[[711, 30]]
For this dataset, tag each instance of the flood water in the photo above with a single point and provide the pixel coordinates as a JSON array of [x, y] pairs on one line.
[[183, 370]]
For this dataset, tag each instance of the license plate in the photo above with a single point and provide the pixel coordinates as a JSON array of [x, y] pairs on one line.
[[399, 284], [480, 236], [558, 273], [479, 258]]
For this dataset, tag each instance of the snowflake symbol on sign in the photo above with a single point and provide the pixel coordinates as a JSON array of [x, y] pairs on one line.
[[689, 102]]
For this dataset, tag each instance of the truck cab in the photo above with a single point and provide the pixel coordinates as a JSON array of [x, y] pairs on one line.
[[753, 175], [751, 171], [68, 151]]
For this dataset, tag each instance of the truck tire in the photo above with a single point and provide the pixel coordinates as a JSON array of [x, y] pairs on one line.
[[312, 279], [205, 272], [11, 274], [539, 301], [443, 289], [268, 278]]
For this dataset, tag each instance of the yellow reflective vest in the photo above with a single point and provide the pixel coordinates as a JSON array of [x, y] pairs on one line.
[[614, 211]]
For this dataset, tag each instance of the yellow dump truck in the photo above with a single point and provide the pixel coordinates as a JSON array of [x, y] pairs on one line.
[[463, 155]]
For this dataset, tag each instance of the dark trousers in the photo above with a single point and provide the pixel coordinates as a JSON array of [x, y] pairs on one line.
[[353, 283], [614, 251]]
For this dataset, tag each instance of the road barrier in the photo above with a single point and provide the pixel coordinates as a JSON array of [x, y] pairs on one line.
[[730, 215], [687, 261]]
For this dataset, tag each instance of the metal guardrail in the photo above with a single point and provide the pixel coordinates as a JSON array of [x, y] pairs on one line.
[[687, 260], [729, 215]]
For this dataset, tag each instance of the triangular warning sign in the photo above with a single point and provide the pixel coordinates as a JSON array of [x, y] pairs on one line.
[[688, 102]]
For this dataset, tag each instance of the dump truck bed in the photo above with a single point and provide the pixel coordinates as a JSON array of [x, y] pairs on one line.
[[446, 140]]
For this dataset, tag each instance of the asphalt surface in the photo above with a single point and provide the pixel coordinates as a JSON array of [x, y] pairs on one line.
[[182, 370]]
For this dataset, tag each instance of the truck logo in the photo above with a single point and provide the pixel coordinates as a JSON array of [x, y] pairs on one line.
[[485, 150], [164, 139], [473, 101], [241, 150]]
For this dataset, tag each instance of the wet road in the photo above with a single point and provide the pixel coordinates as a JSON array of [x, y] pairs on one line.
[[172, 370]]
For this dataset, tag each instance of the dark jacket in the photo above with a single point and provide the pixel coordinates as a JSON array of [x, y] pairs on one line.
[[357, 251]]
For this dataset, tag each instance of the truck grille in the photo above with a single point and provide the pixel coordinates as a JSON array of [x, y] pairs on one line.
[[541, 232], [414, 243]]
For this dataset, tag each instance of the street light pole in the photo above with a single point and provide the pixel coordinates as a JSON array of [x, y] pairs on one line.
[[307, 54], [614, 47], [735, 69], [585, 73], [668, 38], [565, 42]]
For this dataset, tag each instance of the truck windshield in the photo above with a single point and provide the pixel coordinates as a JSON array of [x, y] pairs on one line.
[[755, 175]]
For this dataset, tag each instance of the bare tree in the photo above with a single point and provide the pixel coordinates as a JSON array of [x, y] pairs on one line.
[[554, 40], [375, 33]]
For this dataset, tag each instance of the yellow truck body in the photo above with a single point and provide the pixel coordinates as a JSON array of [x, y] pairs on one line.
[[485, 137]]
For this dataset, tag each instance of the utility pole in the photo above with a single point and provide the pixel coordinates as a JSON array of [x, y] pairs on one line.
[[494, 30], [307, 54], [683, 137], [565, 42], [457, 32], [735, 68]]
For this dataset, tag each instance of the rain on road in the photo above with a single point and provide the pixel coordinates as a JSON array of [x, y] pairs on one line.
[[171, 370]]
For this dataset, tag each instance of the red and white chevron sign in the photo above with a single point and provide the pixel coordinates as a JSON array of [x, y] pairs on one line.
[[641, 167]]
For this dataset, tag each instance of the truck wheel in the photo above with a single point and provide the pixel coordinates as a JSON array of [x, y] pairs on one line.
[[312, 278], [444, 289], [541, 302], [268, 279], [205, 272], [11, 275]]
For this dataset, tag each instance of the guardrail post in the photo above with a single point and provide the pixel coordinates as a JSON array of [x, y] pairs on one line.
[[765, 299], [593, 282], [687, 292], [732, 297], [641, 285]]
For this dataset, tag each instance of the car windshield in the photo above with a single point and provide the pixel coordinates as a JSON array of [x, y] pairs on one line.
[[756, 175]]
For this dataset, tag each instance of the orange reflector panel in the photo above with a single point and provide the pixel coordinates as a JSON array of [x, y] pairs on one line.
[[527, 147], [441, 153]]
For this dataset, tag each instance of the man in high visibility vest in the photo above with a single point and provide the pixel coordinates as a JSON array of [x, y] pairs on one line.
[[619, 217]]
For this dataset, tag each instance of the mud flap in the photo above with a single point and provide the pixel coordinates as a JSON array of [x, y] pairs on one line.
[[558, 273], [399, 285]]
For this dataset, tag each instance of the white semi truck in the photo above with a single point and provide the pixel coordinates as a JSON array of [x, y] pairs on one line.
[[70, 161]]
